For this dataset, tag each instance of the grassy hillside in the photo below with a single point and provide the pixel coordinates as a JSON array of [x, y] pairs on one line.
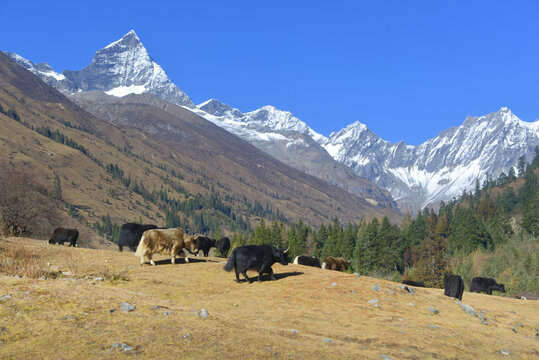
[[59, 310]]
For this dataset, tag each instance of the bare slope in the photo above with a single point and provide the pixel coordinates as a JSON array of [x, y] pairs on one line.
[[72, 317], [203, 154]]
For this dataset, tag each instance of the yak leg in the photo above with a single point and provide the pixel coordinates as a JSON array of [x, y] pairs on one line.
[[489, 291], [237, 276], [150, 258], [244, 272]]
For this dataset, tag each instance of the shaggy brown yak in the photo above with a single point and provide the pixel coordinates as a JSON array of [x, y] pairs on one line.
[[165, 241], [332, 263]]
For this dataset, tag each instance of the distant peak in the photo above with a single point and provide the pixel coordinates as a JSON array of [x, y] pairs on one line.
[[129, 38]]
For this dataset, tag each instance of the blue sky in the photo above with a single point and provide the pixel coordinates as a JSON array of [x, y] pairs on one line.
[[406, 69]]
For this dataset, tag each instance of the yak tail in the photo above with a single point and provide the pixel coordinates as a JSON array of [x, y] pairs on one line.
[[231, 262], [141, 247]]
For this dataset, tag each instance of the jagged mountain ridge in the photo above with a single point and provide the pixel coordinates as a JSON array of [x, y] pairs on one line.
[[416, 176], [442, 167]]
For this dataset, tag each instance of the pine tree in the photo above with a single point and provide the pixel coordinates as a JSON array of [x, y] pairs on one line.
[[431, 266], [56, 192]]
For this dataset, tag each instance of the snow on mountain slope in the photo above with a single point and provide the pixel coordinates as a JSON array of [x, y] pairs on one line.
[[121, 68], [442, 167]]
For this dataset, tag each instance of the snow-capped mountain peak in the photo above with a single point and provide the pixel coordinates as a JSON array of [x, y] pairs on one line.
[[124, 67]]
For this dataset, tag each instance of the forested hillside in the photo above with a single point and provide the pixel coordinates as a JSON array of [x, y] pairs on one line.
[[490, 232]]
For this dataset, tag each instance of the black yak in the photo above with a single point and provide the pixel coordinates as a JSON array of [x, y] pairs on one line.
[[204, 244], [307, 261], [61, 235], [255, 257], [131, 233], [454, 286], [224, 246], [482, 284]]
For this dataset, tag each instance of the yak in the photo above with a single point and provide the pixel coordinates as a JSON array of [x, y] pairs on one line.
[[224, 246], [414, 283], [204, 244], [255, 257], [454, 286], [332, 263], [482, 284], [307, 261], [61, 235], [165, 241], [131, 233]]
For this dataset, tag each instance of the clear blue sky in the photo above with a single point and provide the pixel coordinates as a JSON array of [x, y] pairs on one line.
[[407, 69]]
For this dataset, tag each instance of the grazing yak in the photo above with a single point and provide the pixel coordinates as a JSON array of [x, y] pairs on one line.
[[165, 241], [255, 257], [204, 244], [414, 283], [307, 261], [61, 235], [131, 233], [332, 263], [224, 246], [454, 286], [482, 284]]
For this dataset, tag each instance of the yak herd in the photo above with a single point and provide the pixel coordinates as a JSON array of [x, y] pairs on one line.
[[147, 240]]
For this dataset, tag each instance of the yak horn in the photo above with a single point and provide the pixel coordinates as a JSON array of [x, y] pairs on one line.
[[284, 252]]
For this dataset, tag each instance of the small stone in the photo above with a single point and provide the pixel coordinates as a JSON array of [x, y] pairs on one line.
[[168, 300], [157, 307], [505, 352], [376, 288], [116, 345], [385, 357], [126, 307], [481, 316], [514, 329], [127, 348], [373, 301], [400, 319], [512, 312], [27, 293], [410, 304], [352, 291], [433, 310], [520, 324], [166, 313], [69, 317], [203, 314], [333, 284], [326, 340], [356, 274], [48, 264], [186, 336], [17, 276], [294, 331], [467, 308], [432, 326], [391, 292], [410, 290], [98, 279], [67, 273], [5, 297], [112, 310]]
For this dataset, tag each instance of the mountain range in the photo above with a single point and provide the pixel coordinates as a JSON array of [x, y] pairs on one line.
[[353, 158]]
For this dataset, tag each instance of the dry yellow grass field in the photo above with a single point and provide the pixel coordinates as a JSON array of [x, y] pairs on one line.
[[71, 315]]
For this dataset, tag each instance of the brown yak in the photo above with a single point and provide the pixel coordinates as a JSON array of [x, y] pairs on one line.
[[165, 241]]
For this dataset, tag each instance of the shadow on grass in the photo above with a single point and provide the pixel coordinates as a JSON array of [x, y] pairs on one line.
[[181, 261], [267, 277]]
